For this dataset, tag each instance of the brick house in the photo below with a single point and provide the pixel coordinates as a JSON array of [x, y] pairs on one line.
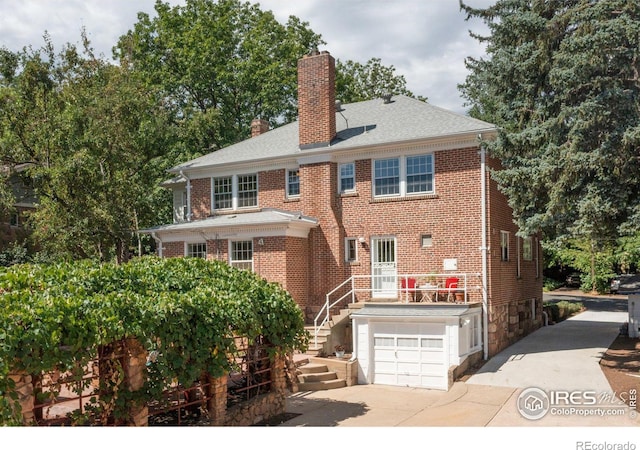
[[13, 223], [380, 203]]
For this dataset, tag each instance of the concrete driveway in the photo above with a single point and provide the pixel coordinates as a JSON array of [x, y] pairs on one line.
[[562, 357]]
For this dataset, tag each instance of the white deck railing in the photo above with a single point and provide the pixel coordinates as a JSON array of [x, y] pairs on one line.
[[425, 284]]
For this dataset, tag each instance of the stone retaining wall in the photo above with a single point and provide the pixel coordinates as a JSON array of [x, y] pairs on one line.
[[261, 408]]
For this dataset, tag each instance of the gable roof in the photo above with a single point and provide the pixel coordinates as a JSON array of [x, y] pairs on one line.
[[362, 124]]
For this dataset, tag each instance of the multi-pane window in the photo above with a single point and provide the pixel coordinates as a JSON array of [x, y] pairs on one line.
[[387, 176], [504, 245], [527, 253], [198, 250], [241, 254], [347, 177], [351, 250], [419, 174], [247, 190], [293, 183], [403, 176], [223, 192]]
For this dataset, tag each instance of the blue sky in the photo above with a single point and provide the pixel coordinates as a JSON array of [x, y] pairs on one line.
[[425, 40]]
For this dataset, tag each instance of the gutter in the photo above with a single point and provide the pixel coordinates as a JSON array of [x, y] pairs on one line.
[[484, 248], [188, 195], [159, 242]]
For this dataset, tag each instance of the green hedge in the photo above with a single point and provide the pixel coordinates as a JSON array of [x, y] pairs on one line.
[[187, 309], [559, 311]]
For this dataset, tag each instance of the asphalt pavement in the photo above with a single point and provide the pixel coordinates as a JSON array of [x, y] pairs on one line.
[[561, 360]]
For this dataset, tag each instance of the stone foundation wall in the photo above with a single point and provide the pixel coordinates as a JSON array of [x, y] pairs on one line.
[[265, 406], [26, 398], [512, 321]]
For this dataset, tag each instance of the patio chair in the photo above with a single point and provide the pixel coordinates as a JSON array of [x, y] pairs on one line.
[[408, 286], [451, 286]]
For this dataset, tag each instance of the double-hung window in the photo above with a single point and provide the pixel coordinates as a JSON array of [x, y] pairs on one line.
[[504, 245], [233, 192], [223, 193], [198, 250], [247, 190], [527, 253], [350, 250], [347, 179], [406, 176], [293, 183], [419, 174], [387, 176], [241, 254]]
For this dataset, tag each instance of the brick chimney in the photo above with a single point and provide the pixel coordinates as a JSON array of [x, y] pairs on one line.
[[316, 99], [259, 126]]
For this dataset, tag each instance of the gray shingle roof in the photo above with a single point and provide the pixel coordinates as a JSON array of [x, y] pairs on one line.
[[362, 124], [267, 216]]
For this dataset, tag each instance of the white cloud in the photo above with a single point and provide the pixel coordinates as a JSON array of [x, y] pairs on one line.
[[425, 40]]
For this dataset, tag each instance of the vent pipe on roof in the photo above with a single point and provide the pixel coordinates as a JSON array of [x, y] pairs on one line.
[[387, 98]]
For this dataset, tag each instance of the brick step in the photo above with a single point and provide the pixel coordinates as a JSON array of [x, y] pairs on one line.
[[313, 368], [313, 377], [322, 385]]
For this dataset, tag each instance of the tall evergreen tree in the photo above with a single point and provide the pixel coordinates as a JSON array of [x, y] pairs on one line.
[[561, 80]]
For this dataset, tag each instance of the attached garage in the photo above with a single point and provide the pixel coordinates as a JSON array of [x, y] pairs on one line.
[[406, 345]]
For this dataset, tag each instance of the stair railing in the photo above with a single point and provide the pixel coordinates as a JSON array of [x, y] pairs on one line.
[[326, 308], [325, 312]]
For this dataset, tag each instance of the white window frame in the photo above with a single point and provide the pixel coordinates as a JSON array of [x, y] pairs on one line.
[[402, 176], [352, 177], [235, 192], [195, 250], [504, 245], [518, 250], [289, 184], [240, 263], [426, 240], [527, 248], [213, 192], [347, 242], [237, 196]]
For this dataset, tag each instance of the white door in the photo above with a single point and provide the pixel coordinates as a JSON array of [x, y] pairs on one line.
[[410, 354], [384, 279]]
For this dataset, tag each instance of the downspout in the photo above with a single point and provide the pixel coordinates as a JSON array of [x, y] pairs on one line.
[[159, 242], [484, 249], [188, 195]]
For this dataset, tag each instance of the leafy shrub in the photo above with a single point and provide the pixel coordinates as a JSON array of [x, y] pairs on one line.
[[549, 284], [186, 309], [559, 311]]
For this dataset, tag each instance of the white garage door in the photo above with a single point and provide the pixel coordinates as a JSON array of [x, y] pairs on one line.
[[410, 354]]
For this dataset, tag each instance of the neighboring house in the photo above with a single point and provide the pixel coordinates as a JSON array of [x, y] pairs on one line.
[[354, 202], [13, 223]]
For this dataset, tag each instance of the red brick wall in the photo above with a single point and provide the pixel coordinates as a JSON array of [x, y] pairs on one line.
[[200, 198], [172, 249], [316, 99], [515, 302], [310, 268]]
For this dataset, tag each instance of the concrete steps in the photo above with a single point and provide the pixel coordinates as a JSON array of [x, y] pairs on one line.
[[318, 377], [324, 334]]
